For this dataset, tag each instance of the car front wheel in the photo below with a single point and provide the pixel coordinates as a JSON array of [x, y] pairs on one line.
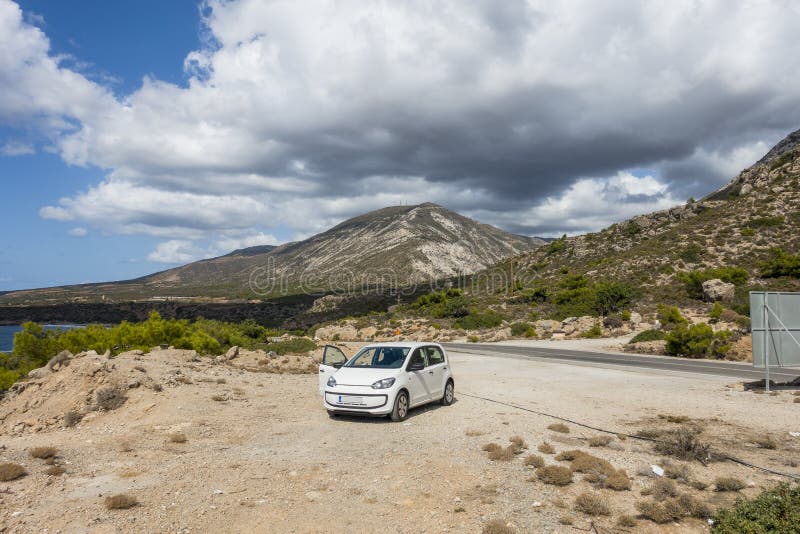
[[400, 410], [449, 393]]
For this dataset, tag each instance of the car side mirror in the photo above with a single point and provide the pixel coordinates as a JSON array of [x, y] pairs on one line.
[[338, 365], [416, 366]]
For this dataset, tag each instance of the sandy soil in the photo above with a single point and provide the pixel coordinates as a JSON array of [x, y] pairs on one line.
[[266, 457]]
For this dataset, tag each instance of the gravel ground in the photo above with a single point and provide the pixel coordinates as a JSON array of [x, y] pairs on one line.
[[268, 459]]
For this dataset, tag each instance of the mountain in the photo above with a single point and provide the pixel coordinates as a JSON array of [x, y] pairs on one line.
[[739, 225], [393, 246]]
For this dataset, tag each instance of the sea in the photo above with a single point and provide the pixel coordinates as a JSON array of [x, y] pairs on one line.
[[7, 334]]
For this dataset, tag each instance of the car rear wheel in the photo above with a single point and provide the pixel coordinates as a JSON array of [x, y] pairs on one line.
[[400, 410], [449, 393]]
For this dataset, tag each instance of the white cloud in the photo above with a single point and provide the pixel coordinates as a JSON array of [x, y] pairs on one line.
[[17, 148], [302, 114], [229, 244], [176, 251], [78, 231]]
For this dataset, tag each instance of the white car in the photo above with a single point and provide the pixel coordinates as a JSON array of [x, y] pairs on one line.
[[385, 379]]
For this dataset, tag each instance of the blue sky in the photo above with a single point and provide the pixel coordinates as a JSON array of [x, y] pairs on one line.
[[138, 136]]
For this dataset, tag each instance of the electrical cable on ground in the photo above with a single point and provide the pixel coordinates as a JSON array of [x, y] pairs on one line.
[[632, 436]]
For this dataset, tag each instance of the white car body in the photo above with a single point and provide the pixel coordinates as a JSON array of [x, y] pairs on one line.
[[353, 391]]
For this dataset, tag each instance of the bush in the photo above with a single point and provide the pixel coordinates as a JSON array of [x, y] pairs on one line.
[[559, 427], [533, 460], [611, 297], [673, 509], [781, 263], [477, 320], [555, 475], [613, 321], [110, 398], [43, 453], [716, 311], [698, 341], [120, 502], [498, 526], [670, 317], [766, 222], [648, 335], [600, 440], [9, 472], [694, 280], [773, 510], [728, 484], [593, 504], [684, 445], [519, 329], [545, 448]]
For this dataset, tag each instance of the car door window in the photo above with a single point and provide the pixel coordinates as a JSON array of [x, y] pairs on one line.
[[417, 357], [333, 356], [435, 355]]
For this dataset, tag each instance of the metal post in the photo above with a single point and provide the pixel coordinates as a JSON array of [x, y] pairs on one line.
[[766, 344]]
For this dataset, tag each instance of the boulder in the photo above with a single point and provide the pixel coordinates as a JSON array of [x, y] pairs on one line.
[[346, 332], [715, 290], [636, 318], [232, 353]]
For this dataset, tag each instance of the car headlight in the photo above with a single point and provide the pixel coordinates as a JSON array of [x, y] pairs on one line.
[[383, 384], [331, 382]]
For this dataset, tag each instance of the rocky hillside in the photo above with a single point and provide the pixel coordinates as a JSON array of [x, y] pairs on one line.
[[739, 225], [393, 246]]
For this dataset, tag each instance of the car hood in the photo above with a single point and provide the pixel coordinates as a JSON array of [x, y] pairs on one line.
[[354, 376]]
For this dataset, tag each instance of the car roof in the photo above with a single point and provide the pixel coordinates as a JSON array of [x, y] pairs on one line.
[[409, 344]]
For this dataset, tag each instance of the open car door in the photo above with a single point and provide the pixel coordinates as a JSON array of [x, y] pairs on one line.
[[332, 359]]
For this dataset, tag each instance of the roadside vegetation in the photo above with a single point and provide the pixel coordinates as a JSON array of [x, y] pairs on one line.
[[35, 346]]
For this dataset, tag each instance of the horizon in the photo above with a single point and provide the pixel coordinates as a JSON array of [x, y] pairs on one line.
[[137, 138]]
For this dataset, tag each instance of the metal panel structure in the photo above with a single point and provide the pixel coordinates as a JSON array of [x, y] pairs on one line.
[[775, 323]]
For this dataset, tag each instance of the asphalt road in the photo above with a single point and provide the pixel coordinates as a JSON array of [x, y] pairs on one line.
[[733, 370]]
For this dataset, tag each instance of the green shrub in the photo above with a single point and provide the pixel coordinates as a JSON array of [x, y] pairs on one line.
[[648, 335], [593, 332], [519, 329], [692, 253], [480, 319], [611, 297], [747, 232], [773, 510], [537, 295], [694, 280], [782, 160], [446, 303], [698, 341], [716, 311], [766, 222], [670, 316], [781, 263], [559, 245]]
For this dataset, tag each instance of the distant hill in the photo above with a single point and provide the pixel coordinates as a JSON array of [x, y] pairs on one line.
[[737, 226], [394, 246]]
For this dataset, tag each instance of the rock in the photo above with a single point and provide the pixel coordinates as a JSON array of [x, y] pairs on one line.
[[746, 190], [232, 353], [41, 372], [636, 318], [59, 360], [345, 332], [715, 290], [547, 325]]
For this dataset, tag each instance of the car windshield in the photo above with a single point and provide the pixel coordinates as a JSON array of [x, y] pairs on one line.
[[379, 358]]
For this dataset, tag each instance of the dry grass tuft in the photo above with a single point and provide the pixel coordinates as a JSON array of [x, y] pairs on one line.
[[221, 381], [473, 433], [534, 460], [619, 481], [43, 453], [546, 448], [555, 475], [592, 466], [679, 472], [183, 379], [566, 520], [219, 398], [568, 456], [673, 509], [698, 485], [600, 441], [177, 438], [489, 447], [593, 504], [498, 526], [72, 418], [501, 454], [125, 445], [661, 489], [559, 427], [728, 484], [626, 521], [121, 501], [237, 391], [157, 387], [55, 470], [110, 398], [766, 442], [140, 368], [10, 472], [518, 442], [684, 445], [674, 418]]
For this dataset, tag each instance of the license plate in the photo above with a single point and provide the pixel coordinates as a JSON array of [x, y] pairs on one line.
[[354, 401]]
